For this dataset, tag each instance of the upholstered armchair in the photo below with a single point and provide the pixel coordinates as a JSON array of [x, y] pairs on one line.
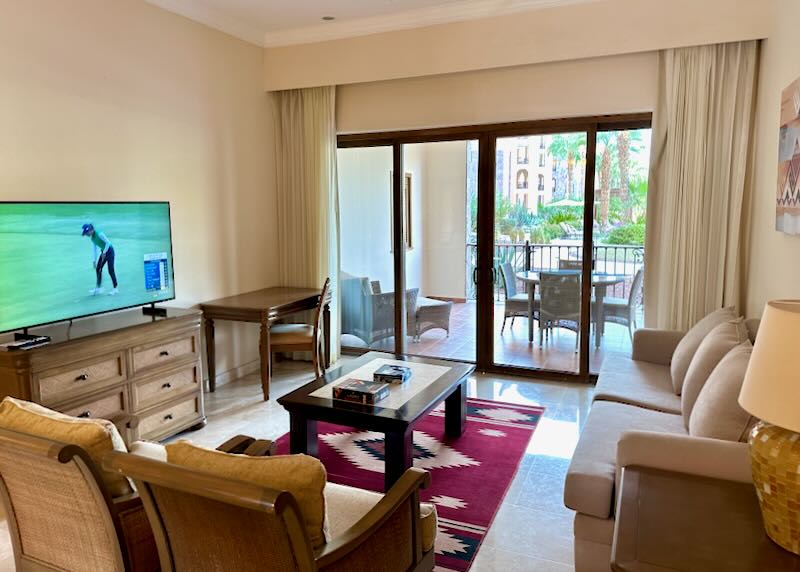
[[63, 512], [209, 513]]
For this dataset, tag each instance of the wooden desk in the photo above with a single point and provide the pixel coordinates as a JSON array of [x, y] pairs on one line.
[[673, 522], [263, 307]]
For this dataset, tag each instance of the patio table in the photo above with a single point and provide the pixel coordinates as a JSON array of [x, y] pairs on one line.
[[600, 282]]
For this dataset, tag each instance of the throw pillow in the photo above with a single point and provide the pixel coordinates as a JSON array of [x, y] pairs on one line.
[[301, 475], [95, 436], [687, 347], [713, 348], [717, 413]]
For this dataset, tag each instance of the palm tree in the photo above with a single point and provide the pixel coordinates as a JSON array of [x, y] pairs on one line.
[[627, 142], [607, 140], [568, 148]]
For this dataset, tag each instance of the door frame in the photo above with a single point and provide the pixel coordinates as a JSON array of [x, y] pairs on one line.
[[487, 135]]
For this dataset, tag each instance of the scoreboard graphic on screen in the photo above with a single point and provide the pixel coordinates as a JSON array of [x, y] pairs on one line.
[[156, 273]]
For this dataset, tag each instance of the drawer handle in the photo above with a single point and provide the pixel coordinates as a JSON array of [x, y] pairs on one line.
[[168, 417], [85, 414], [82, 377], [163, 353], [166, 386]]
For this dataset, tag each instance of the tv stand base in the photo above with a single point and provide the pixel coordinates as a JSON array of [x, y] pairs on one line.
[[153, 310]]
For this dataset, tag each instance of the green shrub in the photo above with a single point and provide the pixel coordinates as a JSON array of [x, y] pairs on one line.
[[627, 234]]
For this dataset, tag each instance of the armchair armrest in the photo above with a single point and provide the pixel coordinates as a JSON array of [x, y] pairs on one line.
[[713, 458], [655, 346], [246, 445], [403, 492]]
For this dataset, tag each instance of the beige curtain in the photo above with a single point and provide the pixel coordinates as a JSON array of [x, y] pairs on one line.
[[700, 182], [308, 207]]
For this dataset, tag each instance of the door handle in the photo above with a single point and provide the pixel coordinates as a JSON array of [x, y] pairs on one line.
[[475, 275], [494, 275]]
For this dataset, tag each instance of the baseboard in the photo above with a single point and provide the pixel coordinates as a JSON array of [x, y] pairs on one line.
[[238, 372]]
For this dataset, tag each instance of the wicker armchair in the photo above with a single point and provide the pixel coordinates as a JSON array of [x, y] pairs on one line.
[[60, 514], [367, 312], [561, 303], [205, 523]]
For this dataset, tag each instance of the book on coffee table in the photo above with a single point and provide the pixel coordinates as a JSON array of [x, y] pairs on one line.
[[361, 391], [392, 374]]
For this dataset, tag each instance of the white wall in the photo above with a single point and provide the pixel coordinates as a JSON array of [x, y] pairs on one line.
[[436, 263], [445, 219], [616, 84], [557, 33], [774, 271], [124, 101]]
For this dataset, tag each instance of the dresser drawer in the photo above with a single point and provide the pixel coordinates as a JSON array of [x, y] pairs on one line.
[[60, 384], [149, 356], [150, 392], [166, 419], [105, 406]]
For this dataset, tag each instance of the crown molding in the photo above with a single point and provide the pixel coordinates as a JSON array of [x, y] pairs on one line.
[[214, 18], [457, 11]]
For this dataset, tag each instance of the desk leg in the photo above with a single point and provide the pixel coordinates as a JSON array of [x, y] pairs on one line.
[[211, 355], [599, 327], [265, 351], [455, 411], [398, 456], [326, 332], [302, 435]]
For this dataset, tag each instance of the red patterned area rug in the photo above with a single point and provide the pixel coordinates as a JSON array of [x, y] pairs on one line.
[[470, 475]]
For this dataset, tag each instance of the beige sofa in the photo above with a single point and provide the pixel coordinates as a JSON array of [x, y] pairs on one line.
[[635, 419]]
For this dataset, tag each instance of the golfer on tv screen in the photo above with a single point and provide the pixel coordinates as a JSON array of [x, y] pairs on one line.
[[103, 255]]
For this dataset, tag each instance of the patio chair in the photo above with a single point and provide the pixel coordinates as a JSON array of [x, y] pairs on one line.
[[516, 303], [561, 303], [367, 312], [430, 314], [623, 311]]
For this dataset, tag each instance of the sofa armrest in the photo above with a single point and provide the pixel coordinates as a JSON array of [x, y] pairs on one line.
[[655, 346], [699, 456]]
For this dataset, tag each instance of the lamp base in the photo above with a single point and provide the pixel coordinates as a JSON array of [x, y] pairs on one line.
[[775, 457]]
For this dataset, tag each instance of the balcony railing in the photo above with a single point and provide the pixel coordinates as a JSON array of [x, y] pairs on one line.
[[625, 260]]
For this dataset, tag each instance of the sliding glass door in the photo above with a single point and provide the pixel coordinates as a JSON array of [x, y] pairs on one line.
[[539, 211], [472, 242]]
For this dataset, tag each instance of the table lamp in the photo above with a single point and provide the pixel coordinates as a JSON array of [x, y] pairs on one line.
[[771, 392]]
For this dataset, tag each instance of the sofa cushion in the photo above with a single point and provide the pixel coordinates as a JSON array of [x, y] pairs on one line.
[[719, 341], [95, 436], [717, 413], [639, 383], [686, 348], [346, 506], [589, 485], [301, 475]]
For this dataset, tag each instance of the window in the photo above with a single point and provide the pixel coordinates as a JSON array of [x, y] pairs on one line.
[[541, 159], [541, 182], [522, 154], [541, 143], [522, 179]]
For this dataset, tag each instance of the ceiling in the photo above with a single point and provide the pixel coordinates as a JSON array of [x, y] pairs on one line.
[[286, 22]]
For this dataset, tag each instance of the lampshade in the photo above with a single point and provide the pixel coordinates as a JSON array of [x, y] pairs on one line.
[[771, 388]]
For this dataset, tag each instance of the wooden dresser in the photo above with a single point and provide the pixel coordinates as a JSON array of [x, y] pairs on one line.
[[107, 365]]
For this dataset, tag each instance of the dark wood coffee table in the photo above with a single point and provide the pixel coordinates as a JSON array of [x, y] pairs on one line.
[[433, 381]]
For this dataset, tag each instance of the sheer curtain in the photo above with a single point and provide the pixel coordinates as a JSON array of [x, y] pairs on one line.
[[700, 182], [308, 204]]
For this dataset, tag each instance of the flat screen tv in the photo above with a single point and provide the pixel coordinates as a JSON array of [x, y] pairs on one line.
[[60, 261]]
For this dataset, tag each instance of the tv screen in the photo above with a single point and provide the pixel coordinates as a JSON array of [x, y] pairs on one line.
[[67, 260]]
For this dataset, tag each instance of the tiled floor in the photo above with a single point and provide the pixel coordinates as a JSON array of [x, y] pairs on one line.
[[512, 346], [532, 530]]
